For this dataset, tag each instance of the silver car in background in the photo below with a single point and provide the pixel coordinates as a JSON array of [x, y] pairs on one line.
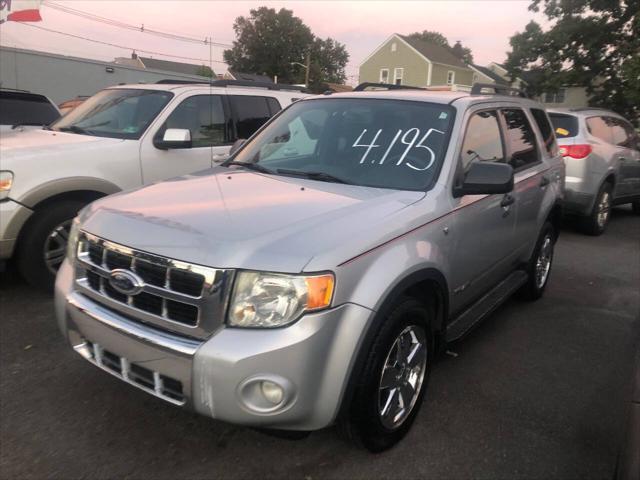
[[602, 156]]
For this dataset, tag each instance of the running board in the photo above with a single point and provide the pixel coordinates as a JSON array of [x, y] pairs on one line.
[[485, 305]]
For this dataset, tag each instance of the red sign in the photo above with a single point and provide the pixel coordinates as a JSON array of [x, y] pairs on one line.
[[20, 11]]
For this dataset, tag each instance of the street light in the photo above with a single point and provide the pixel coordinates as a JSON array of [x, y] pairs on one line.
[[306, 69]]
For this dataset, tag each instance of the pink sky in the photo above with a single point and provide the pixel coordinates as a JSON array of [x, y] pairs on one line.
[[484, 26]]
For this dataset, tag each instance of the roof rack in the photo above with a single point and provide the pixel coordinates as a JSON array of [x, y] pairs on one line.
[[5, 89], [235, 83], [384, 86], [477, 88]]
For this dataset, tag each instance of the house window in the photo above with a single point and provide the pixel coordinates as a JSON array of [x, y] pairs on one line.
[[451, 77], [394, 46], [475, 78], [384, 75], [398, 73], [556, 97]]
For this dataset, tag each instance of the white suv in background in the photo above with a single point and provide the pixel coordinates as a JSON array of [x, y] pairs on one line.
[[122, 137]]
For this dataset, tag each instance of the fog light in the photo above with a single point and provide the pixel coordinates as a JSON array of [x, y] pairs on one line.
[[272, 391]]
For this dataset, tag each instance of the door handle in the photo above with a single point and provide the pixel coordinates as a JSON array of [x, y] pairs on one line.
[[507, 201], [544, 181]]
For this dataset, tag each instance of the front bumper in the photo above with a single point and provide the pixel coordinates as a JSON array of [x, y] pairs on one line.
[[220, 376], [12, 218]]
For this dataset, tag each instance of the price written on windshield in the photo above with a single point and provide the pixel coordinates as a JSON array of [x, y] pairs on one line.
[[411, 138]]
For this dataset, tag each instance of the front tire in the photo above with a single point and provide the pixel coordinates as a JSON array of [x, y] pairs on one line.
[[392, 387], [539, 267], [43, 243]]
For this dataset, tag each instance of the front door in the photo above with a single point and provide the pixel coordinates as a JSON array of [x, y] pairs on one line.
[[206, 117], [628, 157], [483, 226]]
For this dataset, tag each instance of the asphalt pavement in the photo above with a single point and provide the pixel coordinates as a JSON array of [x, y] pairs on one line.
[[539, 390]]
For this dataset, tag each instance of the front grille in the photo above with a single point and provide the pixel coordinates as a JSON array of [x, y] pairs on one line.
[[153, 382], [174, 295]]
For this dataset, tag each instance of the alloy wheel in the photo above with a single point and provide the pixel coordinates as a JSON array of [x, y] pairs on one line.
[[604, 209], [402, 376], [55, 246], [543, 262]]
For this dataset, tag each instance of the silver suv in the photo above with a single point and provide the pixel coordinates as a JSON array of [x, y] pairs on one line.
[[602, 156], [311, 279]]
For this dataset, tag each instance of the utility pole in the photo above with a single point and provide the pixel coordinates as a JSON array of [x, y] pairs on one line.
[[306, 72]]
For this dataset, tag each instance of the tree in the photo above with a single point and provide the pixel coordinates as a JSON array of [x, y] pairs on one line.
[[269, 42], [460, 51], [594, 43], [204, 71]]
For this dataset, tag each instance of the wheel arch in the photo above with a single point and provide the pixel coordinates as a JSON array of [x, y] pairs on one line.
[[428, 285], [72, 187]]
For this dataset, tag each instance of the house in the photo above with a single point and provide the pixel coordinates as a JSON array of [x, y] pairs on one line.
[[165, 65], [248, 77], [567, 96], [486, 75], [402, 60]]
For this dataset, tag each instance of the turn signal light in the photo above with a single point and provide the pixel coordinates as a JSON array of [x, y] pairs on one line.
[[319, 291], [576, 151]]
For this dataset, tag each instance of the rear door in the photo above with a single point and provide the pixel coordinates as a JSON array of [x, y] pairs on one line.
[[207, 118], [485, 224], [525, 154]]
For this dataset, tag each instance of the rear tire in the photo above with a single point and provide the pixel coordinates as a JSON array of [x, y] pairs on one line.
[[379, 416], [539, 266], [45, 235], [596, 223]]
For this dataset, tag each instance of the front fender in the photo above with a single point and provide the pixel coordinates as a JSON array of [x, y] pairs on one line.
[[56, 187]]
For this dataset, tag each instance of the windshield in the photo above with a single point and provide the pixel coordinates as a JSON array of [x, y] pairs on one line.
[[26, 109], [369, 142], [116, 113]]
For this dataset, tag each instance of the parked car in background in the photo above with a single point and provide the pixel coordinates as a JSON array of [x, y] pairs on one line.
[[602, 156], [68, 105], [310, 279], [20, 108], [120, 138]]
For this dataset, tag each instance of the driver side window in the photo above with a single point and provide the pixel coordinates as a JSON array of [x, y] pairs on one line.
[[204, 117], [482, 140]]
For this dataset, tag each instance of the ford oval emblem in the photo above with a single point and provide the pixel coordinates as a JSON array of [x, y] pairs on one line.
[[125, 282]]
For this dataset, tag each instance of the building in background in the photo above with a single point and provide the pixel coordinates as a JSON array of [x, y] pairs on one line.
[[62, 78], [402, 60]]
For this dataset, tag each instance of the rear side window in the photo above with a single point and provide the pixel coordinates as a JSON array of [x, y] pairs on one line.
[[251, 113], [599, 128], [545, 129], [565, 126], [482, 141], [623, 133], [18, 108], [521, 139]]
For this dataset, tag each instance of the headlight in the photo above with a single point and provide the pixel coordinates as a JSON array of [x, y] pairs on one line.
[[272, 300], [6, 180], [72, 244]]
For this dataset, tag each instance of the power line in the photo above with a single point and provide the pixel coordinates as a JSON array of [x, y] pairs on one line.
[[128, 26], [204, 60]]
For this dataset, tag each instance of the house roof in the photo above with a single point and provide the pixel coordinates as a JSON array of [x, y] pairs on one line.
[[491, 74], [434, 52], [250, 77], [178, 67]]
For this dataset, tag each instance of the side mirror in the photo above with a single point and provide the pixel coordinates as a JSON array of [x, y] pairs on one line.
[[236, 145], [486, 178], [174, 138]]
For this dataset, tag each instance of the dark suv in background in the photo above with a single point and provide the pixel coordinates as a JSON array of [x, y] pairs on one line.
[[22, 108]]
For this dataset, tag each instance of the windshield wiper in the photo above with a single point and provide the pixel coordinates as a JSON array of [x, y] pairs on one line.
[[249, 166], [30, 124], [74, 129], [320, 176]]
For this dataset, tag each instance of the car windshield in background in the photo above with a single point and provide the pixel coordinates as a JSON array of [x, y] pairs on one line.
[[566, 126], [17, 108], [116, 113], [370, 142]]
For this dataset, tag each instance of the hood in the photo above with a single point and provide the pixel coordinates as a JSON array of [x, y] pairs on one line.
[[241, 219], [37, 142]]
